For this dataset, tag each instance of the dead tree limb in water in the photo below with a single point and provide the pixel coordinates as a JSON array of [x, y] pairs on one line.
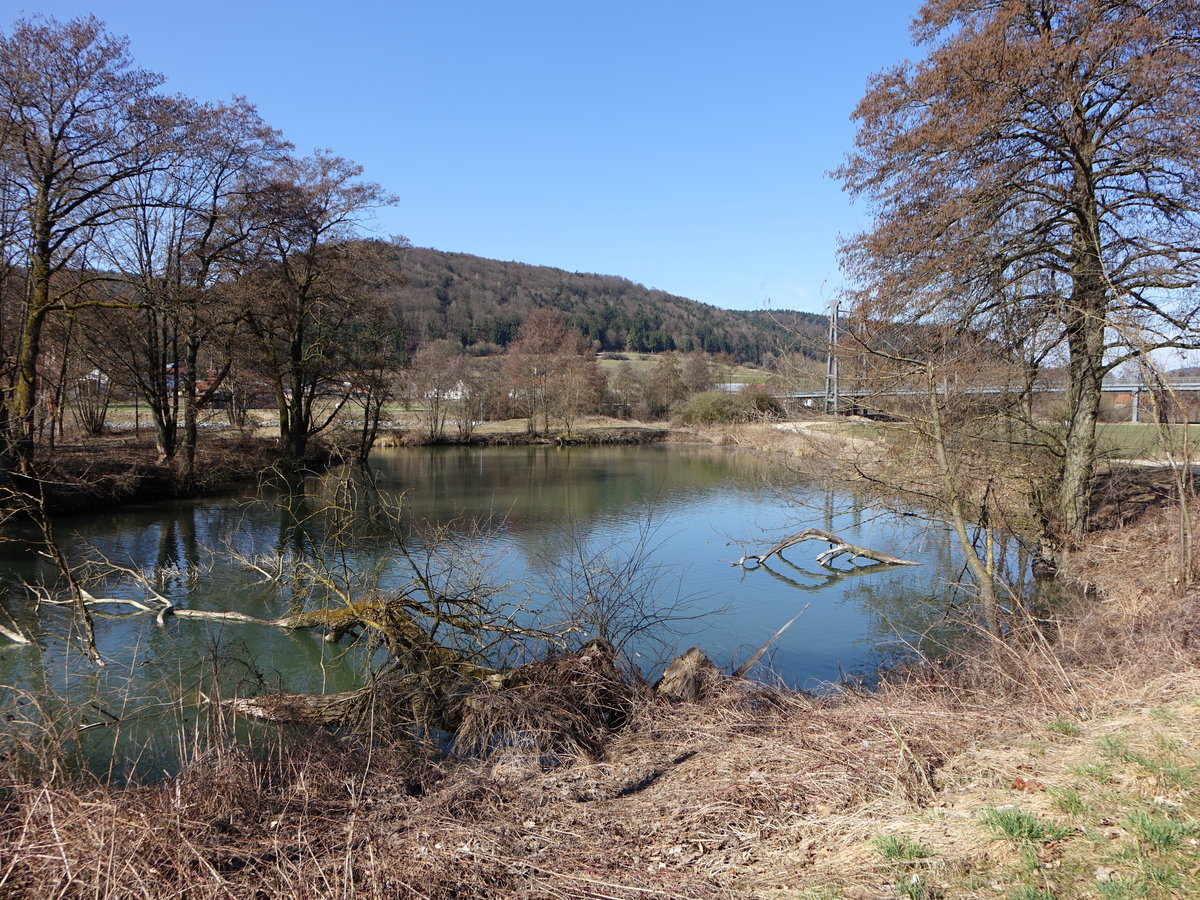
[[14, 634], [387, 616], [837, 547]]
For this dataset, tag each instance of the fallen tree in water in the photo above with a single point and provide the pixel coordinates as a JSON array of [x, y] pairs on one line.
[[837, 547], [445, 650], [567, 702]]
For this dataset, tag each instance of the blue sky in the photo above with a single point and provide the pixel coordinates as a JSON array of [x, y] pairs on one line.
[[683, 144]]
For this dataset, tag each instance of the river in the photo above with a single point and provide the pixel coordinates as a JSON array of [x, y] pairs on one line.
[[533, 529]]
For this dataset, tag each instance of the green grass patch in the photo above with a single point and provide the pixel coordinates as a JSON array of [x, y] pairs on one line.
[[1021, 826], [1134, 440], [1104, 837], [1065, 727], [1167, 772], [1114, 748], [1164, 714], [1117, 889], [1165, 744], [1028, 892], [1068, 801], [1159, 832], [914, 887], [1099, 772], [900, 848], [821, 892], [1158, 878]]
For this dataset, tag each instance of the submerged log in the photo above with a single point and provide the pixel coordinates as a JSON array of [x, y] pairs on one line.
[[837, 547], [387, 616]]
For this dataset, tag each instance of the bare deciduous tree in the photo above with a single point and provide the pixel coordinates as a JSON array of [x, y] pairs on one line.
[[79, 119], [436, 381], [552, 371], [1040, 167], [314, 282]]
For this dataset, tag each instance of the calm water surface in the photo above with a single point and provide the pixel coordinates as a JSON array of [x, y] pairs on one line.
[[681, 515]]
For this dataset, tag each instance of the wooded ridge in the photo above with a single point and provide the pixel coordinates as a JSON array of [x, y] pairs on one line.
[[476, 302]]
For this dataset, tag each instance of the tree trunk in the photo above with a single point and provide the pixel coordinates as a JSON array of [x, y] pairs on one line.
[[189, 374], [24, 401], [1085, 321], [22, 418]]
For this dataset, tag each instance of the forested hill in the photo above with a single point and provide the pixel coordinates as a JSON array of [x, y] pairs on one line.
[[477, 301]]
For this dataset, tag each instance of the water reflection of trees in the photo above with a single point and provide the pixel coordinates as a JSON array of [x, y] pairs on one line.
[[552, 498], [556, 502], [918, 611], [532, 485]]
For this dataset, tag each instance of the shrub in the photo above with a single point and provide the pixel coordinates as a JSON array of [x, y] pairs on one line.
[[759, 404], [709, 408], [724, 407]]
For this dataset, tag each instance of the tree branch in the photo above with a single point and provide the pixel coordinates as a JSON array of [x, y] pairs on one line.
[[837, 547]]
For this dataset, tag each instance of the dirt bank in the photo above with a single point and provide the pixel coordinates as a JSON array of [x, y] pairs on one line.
[[118, 469]]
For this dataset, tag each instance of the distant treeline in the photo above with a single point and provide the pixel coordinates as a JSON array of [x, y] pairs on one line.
[[478, 302]]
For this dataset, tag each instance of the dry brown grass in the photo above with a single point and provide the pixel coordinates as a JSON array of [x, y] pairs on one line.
[[753, 792]]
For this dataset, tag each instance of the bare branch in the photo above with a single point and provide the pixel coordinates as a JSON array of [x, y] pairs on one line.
[[837, 547]]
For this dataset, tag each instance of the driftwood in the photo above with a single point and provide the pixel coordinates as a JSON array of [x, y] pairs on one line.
[[745, 667], [343, 708], [15, 635], [688, 677], [387, 616], [691, 675], [837, 547]]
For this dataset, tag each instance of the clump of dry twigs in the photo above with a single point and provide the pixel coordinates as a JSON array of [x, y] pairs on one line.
[[564, 706]]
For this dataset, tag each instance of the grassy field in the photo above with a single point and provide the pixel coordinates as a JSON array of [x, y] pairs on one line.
[[1144, 440], [644, 362]]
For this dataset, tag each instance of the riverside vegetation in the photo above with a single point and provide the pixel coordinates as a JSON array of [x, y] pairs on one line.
[[1053, 762], [1033, 182]]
